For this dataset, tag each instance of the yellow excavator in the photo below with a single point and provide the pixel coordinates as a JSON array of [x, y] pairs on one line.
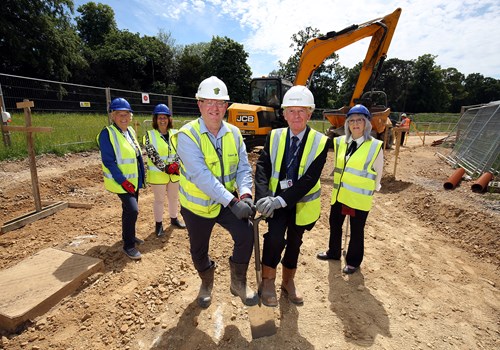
[[257, 119]]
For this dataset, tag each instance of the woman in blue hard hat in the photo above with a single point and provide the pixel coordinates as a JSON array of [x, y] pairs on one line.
[[359, 161], [123, 169], [163, 167]]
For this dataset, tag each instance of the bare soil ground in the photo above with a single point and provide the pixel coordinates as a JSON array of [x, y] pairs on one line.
[[430, 278]]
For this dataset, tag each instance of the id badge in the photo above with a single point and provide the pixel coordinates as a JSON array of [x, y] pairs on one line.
[[286, 183]]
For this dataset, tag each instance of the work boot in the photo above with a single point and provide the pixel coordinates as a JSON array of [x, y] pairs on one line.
[[177, 222], [207, 283], [239, 284], [267, 288], [159, 229], [288, 286]]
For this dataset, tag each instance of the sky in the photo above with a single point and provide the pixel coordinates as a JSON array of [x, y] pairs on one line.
[[463, 34]]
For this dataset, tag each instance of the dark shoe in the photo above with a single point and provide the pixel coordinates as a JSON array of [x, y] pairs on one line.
[[326, 256], [348, 270], [132, 253], [138, 241], [159, 229], [177, 223]]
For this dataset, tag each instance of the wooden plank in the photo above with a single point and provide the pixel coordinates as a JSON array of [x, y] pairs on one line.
[[70, 204], [32, 217], [28, 128], [25, 104], [36, 284]]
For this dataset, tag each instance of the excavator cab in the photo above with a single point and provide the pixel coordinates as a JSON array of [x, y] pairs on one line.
[[264, 113]]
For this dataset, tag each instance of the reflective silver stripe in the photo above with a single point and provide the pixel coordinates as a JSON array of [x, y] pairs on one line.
[[371, 153], [119, 157], [196, 200], [127, 176], [336, 186], [357, 190], [338, 170], [193, 132], [310, 197], [312, 154], [363, 173], [274, 152], [154, 141]]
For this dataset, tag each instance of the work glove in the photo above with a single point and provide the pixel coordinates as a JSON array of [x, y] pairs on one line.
[[247, 199], [240, 209], [173, 168], [267, 205], [127, 186]]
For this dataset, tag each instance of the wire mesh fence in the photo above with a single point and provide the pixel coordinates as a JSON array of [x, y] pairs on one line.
[[474, 143]]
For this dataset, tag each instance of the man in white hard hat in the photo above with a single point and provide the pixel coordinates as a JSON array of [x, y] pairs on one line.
[[216, 187], [287, 190], [405, 127]]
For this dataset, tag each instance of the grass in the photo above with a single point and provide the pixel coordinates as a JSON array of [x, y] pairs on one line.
[[73, 132]]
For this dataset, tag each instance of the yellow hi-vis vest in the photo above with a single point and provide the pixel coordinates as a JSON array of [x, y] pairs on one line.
[[308, 208], [126, 159], [190, 196], [167, 154], [354, 181]]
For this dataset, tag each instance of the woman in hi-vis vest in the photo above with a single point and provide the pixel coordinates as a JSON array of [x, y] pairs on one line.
[[123, 169], [359, 162], [163, 167]]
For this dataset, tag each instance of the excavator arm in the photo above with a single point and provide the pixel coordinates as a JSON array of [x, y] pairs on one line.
[[317, 50]]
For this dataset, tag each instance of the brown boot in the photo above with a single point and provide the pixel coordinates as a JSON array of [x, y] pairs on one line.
[[288, 286], [207, 283], [267, 288], [239, 285]]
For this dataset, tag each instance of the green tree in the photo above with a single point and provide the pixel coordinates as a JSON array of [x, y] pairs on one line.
[[95, 23], [394, 80], [481, 89], [227, 59], [427, 90], [455, 84], [37, 39], [190, 64]]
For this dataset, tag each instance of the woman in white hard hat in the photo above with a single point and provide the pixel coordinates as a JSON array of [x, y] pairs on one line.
[[357, 173], [287, 190], [163, 167], [216, 187]]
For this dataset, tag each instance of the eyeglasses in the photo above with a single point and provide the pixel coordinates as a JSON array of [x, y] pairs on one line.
[[212, 103], [355, 121]]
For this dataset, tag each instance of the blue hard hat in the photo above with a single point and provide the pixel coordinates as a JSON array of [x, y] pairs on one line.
[[162, 109], [120, 104], [360, 109]]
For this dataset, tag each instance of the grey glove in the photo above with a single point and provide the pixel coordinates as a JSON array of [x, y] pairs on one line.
[[267, 205], [247, 199], [240, 209]]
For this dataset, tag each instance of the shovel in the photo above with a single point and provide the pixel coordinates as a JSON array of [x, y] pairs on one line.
[[261, 317]]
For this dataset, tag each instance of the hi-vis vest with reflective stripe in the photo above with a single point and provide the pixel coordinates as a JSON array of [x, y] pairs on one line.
[[166, 151], [309, 207], [190, 196], [126, 159], [354, 181]]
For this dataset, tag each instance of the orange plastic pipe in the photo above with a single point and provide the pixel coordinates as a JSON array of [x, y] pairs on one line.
[[482, 182], [454, 179]]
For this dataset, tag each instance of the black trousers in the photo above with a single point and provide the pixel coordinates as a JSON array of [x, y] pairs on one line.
[[130, 211], [357, 222], [280, 225], [200, 230]]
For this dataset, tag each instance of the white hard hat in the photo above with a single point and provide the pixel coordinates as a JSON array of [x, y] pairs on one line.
[[298, 96], [212, 88], [6, 118], [403, 115]]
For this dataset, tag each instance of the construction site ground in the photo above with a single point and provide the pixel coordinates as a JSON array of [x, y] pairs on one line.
[[429, 279]]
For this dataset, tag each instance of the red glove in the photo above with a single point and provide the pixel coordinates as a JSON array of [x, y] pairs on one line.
[[173, 169], [127, 186]]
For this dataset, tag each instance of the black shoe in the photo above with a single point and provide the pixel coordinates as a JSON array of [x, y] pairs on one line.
[[177, 223], [138, 241], [348, 270], [159, 229], [326, 256]]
